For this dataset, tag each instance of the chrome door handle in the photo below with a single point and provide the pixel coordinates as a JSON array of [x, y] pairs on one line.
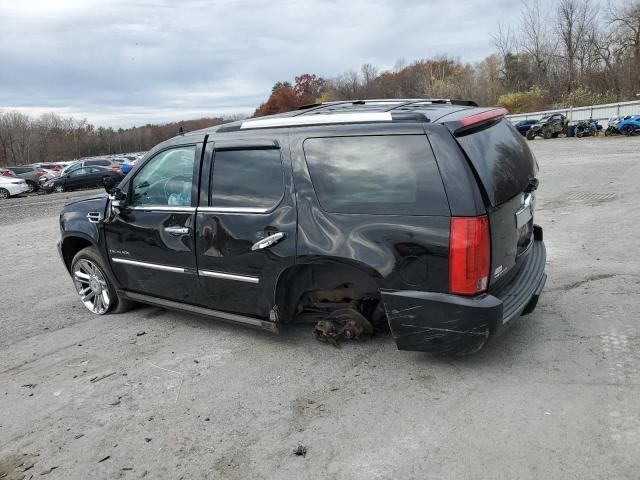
[[177, 230], [268, 241]]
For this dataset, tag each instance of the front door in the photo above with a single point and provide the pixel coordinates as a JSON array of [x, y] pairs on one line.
[[150, 240], [246, 226]]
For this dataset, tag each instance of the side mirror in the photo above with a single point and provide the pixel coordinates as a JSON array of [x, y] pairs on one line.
[[111, 186]]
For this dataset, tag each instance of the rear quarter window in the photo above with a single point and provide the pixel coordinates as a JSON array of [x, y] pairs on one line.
[[384, 175]]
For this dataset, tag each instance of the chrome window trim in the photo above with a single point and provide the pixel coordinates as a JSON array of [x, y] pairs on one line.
[[317, 119], [229, 276], [163, 208], [153, 266], [233, 210]]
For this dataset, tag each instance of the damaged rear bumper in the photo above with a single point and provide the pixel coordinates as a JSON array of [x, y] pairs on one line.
[[440, 322]]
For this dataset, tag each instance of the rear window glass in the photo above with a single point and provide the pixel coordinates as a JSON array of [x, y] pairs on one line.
[[502, 160], [386, 175]]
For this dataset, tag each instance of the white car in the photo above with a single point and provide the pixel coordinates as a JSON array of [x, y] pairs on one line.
[[10, 186]]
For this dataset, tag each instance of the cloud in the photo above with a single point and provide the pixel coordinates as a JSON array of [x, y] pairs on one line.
[[125, 62]]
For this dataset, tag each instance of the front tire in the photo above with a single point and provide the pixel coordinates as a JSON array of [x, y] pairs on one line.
[[531, 135], [546, 134], [58, 189], [4, 193], [94, 284], [32, 187]]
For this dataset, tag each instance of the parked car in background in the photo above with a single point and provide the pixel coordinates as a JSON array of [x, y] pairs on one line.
[[523, 126], [54, 167], [549, 126], [10, 186], [83, 177], [30, 174], [356, 215], [612, 125], [126, 167], [5, 172], [630, 125], [94, 162]]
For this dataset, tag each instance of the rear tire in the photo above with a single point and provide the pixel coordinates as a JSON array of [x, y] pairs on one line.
[[32, 186], [95, 285], [4, 193], [546, 134]]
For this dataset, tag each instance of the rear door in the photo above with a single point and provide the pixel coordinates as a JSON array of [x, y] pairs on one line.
[[507, 171], [246, 225], [150, 241]]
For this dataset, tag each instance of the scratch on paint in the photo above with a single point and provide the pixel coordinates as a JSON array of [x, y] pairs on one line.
[[442, 330], [394, 312]]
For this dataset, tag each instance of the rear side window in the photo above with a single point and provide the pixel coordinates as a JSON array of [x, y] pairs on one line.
[[502, 160], [385, 175], [247, 179]]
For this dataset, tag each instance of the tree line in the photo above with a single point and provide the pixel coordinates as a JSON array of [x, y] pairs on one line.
[[560, 53], [50, 138]]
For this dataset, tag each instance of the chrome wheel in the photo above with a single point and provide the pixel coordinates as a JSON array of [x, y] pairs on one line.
[[3, 194], [31, 186], [91, 285], [58, 189]]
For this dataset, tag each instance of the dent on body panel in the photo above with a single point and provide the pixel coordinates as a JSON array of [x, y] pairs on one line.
[[383, 243]]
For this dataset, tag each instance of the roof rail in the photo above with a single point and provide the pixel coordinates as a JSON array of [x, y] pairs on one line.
[[356, 117], [334, 118]]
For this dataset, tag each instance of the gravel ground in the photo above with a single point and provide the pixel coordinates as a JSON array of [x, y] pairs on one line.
[[168, 395]]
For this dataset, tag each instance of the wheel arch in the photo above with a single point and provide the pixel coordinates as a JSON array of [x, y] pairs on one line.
[[71, 244], [322, 273]]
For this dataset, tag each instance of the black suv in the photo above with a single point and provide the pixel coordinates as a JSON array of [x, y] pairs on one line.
[[416, 214]]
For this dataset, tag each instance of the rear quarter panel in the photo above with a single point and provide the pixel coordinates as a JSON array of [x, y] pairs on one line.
[[399, 251]]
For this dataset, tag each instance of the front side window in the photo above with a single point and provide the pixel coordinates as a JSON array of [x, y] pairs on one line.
[[385, 175], [247, 179], [166, 179]]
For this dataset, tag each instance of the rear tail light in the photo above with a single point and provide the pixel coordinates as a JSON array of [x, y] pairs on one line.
[[7, 173], [469, 255]]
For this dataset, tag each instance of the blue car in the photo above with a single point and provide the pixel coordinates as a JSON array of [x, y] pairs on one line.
[[629, 126], [523, 126]]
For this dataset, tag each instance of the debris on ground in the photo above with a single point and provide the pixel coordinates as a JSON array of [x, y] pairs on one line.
[[13, 466], [48, 471], [80, 435], [30, 385], [97, 378], [343, 324], [301, 451], [139, 334], [105, 458]]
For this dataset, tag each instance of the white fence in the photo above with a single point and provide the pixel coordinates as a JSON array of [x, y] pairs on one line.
[[601, 113]]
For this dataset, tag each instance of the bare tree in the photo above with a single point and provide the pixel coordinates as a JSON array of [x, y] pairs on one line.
[[574, 25]]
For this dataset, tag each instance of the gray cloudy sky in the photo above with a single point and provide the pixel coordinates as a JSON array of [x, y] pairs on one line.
[[130, 62]]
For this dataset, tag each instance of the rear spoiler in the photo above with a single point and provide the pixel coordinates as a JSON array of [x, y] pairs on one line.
[[463, 124]]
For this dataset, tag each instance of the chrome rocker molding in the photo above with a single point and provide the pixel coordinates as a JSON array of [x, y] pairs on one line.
[[229, 276], [154, 266], [230, 317]]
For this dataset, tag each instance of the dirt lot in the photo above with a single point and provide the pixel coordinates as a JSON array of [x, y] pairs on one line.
[[168, 395]]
